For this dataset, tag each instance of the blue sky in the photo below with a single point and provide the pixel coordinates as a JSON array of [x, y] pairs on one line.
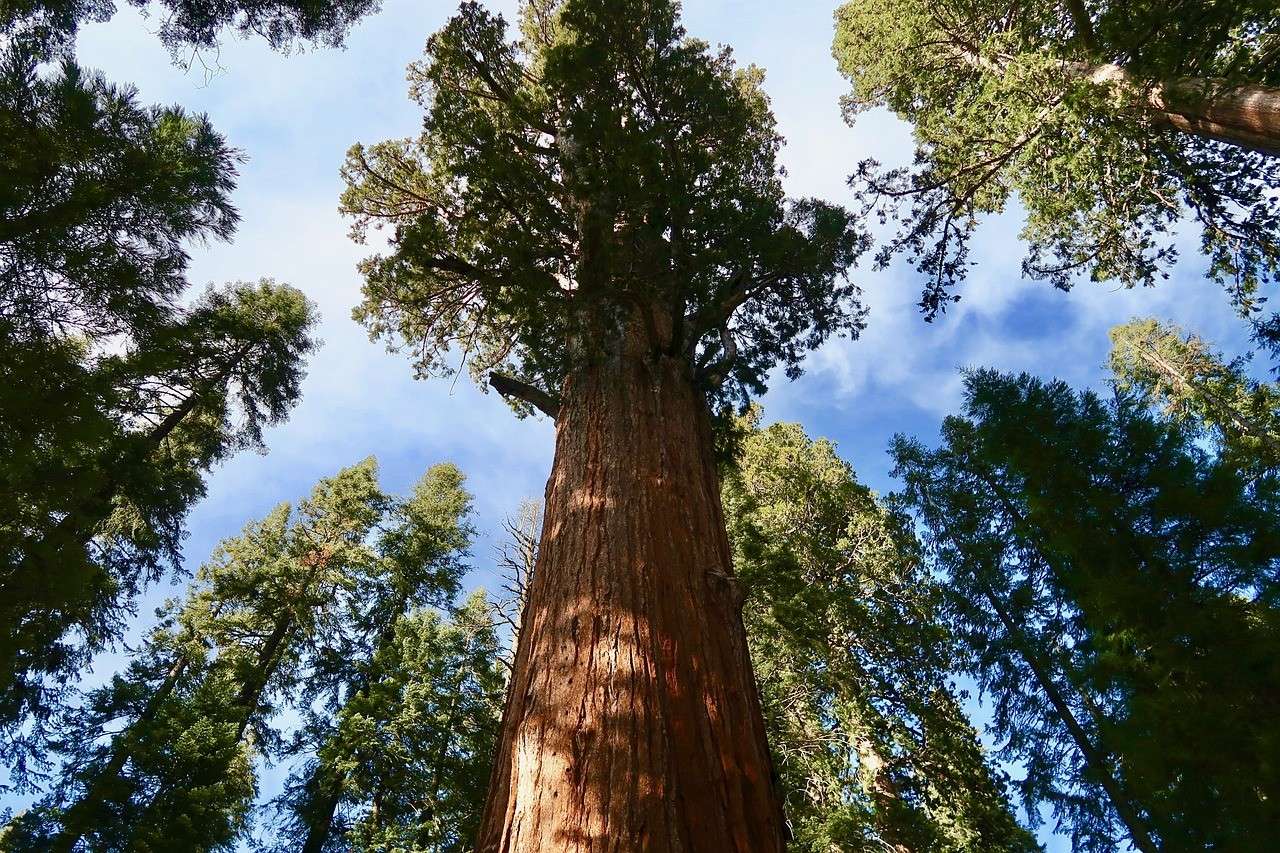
[[294, 117]]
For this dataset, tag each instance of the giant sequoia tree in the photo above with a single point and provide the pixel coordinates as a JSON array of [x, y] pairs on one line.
[[1111, 121], [593, 218]]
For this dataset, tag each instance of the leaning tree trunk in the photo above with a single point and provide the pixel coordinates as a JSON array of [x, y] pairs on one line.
[[633, 722], [1244, 115]]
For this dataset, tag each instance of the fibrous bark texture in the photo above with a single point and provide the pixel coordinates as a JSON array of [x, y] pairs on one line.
[[633, 722], [1247, 116]]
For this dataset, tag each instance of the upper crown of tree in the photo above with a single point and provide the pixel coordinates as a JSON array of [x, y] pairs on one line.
[[1112, 122], [603, 170]]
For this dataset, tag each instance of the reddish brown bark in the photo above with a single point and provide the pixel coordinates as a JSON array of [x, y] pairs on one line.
[[1247, 116], [633, 722]]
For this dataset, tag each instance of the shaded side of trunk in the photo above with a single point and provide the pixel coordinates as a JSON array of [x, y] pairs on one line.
[[632, 721]]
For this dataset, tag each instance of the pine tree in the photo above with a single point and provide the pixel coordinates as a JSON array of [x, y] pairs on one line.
[[412, 749], [1181, 375], [194, 710], [1112, 122], [593, 219], [101, 509], [367, 669], [118, 399], [873, 749], [1116, 587]]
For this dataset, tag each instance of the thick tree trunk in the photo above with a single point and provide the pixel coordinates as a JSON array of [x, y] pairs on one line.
[[632, 722], [1246, 116]]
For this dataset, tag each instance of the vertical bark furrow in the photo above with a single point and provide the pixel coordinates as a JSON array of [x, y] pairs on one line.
[[632, 722]]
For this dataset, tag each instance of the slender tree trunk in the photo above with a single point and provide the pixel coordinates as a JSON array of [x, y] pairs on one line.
[[78, 819], [268, 661], [326, 781], [1099, 762], [632, 720]]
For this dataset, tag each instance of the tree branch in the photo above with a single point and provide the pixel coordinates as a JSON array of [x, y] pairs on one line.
[[1083, 25], [509, 386], [716, 373]]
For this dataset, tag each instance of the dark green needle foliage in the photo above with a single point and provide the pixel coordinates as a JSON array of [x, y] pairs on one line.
[[186, 26], [602, 169], [1107, 120], [100, 491], [870, 742], [1115, 586], [1181, 375], [98, 197], [162, 758], [401, 739], [411, 747]]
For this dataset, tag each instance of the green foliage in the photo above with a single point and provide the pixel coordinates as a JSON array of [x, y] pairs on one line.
[[1052, 100], [190, 25], [601, 172], [97, 197], [411, 748], [1194, 386], [99, 494], [408, 719], [195, 708], [1098, 557], [870, 743]]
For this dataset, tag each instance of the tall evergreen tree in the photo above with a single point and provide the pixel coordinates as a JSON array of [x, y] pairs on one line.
[[195, 707], [593, 218], [368, 665], [842, 617], [1116, 587], [98, 197], [100, 502], [412, 748], [1112, 122], [1182, 376]]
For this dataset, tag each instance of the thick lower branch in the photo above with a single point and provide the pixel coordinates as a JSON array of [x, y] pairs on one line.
[[508, 386]]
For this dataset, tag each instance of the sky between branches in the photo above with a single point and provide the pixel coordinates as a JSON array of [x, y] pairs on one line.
[[295, 116]]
